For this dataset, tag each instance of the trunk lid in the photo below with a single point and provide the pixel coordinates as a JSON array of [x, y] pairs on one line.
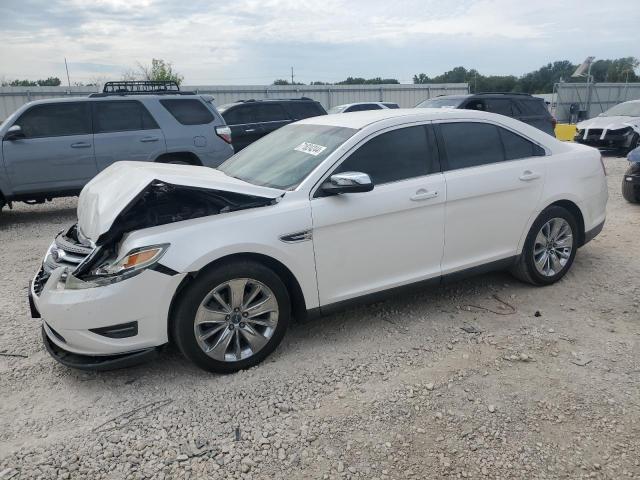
[[140, 194]]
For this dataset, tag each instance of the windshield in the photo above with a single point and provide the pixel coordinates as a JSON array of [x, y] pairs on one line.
[[441, 103], [285, 157], [629, 109]]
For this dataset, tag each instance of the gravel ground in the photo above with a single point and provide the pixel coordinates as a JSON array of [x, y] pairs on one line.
[[390, 390]]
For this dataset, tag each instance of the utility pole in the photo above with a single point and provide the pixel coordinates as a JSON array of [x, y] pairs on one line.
[[67, 68], [291, 75]]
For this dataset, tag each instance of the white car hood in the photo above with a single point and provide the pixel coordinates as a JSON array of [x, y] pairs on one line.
[[116, 187], [610, 123]]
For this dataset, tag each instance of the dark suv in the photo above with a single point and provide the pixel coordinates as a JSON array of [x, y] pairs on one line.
[[521, 106], [253, 119]]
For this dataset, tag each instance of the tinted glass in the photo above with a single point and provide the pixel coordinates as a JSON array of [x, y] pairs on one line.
[[286, 156], [269, 112], [122, 116], [302, 110], [533, 107], [239, 115], [499, 105], [188, 111], [469, 144], [392, 156], [56, 120], [516, 146], [391, 105]]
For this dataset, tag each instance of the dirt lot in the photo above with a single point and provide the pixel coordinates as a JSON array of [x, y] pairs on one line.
[[391, 390]]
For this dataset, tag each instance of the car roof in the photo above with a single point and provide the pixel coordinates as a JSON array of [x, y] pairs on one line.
[[106, 98], [359, 120]]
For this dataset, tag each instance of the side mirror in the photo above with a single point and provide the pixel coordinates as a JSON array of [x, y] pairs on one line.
[[14, 133], [347, 182]]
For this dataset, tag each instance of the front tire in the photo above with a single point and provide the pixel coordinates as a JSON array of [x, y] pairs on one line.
[[232, 316], [549, 249]]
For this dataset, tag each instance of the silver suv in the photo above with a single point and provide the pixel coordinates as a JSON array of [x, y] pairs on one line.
[[52, 148]]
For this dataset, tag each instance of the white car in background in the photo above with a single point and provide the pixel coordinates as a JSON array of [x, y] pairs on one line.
[[616, 129], [362, 106], [317, 215]]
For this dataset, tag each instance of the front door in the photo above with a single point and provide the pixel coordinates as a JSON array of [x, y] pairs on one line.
[[57, 153], [494, 182], [390, 236]]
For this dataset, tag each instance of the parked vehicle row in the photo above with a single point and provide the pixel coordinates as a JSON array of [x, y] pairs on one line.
[[317, 215]]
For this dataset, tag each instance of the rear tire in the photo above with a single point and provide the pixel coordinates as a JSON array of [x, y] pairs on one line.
[[216, 323], [549, 248], [631, 190]]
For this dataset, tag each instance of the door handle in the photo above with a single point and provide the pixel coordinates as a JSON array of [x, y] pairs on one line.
[[528, 175], [250, 130], [423, 194], [80, 145], [149, 139]]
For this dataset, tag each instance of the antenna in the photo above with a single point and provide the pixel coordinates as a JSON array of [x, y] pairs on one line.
[[291, 75], [67, 68]]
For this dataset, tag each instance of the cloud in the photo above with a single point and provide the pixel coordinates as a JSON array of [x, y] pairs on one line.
[[218, 41]]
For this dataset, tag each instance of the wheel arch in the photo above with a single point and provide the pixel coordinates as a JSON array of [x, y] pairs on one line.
[[298, 304], [188, 157], [574, 209]]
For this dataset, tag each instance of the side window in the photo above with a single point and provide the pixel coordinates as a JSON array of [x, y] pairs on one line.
[[188, 111], [499, 105], [56, 120], [391, 105], [533, 107], [270, 112], [122, 116], [365, 106], [239, 115], [302, 110], [475, 105], [470, 144], [392, 156], [516, 146]]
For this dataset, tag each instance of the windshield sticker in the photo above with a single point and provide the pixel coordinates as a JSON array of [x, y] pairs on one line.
[[310, 148]]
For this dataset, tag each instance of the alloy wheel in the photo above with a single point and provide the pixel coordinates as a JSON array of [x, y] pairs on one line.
[[552, 247], [236, 319]]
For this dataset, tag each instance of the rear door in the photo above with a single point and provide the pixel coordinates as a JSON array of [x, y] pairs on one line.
[[494, 180], [125, 130], [244, 129], [271, 116], [57, 153], [534, 112]]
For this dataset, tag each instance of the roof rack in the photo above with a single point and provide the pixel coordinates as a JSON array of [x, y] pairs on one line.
[[502, 93], [141, 87], [242, 100]]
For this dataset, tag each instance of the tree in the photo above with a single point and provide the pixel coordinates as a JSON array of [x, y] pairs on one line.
[[369, 81], [49, 82], [23, 83], [160, 71], [282, 81], [421, 78]]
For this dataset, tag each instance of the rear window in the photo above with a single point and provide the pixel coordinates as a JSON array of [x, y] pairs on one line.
[[269, 112], [302, 110], [391, 105], [188, 111], [363, 107], [449, 102], [122, 116], [532, 107], [501, 106], [239, 115]]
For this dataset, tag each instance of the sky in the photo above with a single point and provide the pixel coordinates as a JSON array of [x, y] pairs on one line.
[[257, 41]]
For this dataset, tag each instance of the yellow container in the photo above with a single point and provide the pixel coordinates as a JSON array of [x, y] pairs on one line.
[[565, 132]]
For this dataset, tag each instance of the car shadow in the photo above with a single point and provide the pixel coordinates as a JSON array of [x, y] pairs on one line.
[[10, 217]]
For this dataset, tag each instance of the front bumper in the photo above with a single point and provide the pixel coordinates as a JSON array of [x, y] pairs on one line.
[[96, 363], [612, 140], [72, 314]]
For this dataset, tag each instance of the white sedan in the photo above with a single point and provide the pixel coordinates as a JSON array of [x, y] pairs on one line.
[[317, 215]]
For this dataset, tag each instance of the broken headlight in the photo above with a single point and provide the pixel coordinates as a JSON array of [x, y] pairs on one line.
[[116, 269]]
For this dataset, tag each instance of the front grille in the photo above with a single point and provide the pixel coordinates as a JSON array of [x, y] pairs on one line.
[[66, 251]]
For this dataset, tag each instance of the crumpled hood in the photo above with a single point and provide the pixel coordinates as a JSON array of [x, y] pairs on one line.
[[117, 187], [609, 123]]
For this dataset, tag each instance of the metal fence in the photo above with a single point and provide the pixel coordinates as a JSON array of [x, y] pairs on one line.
[[328, 95], [591, 99]]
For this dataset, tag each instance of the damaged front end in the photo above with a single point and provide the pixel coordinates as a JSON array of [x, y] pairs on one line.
[[89, 264], [623, 138]]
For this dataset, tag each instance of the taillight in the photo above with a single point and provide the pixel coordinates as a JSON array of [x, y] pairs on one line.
[[604, 169], [224, 133]]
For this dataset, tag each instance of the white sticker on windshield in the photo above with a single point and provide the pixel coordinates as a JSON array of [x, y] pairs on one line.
[[310, 148]]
